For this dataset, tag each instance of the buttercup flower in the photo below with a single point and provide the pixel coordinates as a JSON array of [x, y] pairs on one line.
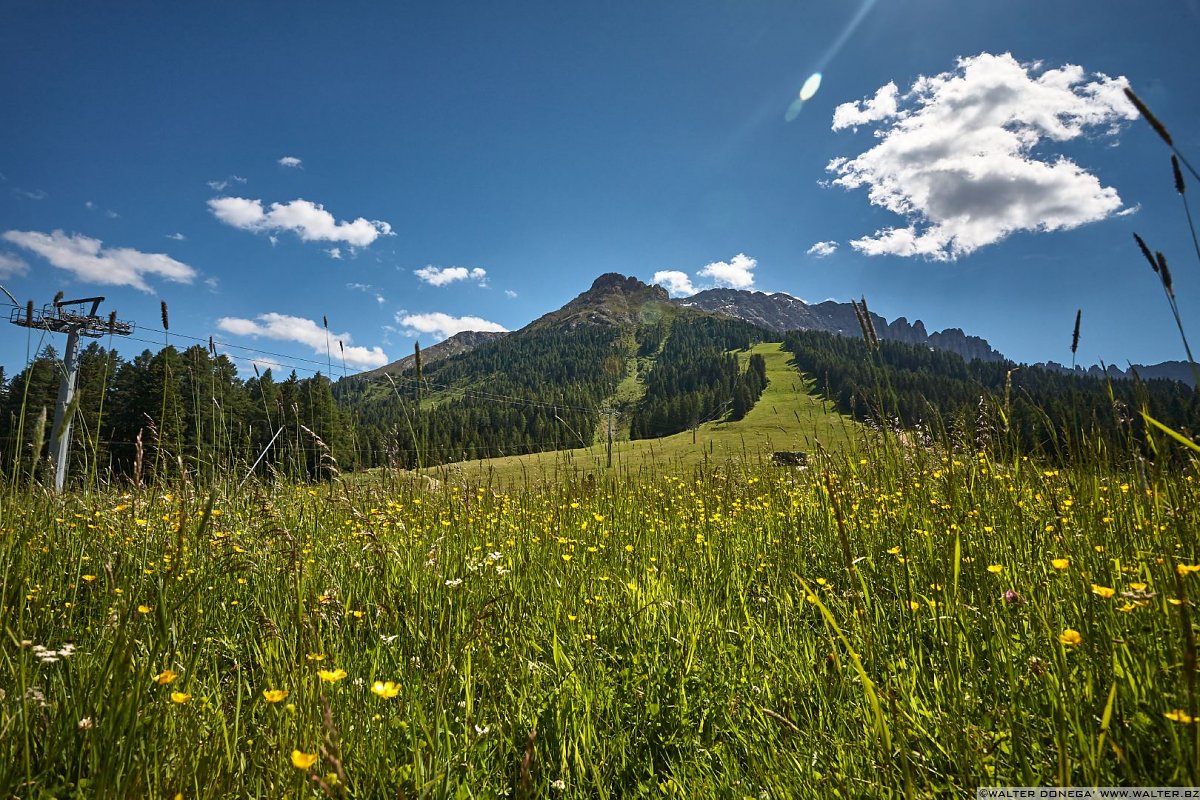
[[386, 690]]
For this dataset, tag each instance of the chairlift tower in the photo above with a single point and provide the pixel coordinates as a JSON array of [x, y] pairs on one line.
[[69, 317]]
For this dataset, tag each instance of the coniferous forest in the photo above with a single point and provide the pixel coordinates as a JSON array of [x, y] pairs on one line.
[[545, 389]]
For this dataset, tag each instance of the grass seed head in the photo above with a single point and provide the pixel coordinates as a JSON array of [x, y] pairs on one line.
[[1164, 272], [1146, 252], [1159, 128]]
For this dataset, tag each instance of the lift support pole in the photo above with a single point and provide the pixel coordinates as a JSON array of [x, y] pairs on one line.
[[58, 318]]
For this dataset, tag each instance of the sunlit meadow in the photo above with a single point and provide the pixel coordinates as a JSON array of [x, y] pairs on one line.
[[900, 621]]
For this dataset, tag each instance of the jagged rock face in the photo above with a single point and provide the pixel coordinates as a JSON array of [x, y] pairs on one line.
[[613, 299], [782, 312], [614, 286], [458, 343]]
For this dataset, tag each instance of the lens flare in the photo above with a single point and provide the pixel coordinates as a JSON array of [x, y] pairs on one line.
[[810, 87]]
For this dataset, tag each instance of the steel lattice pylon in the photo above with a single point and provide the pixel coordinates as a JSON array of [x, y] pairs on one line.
[[68, 316]]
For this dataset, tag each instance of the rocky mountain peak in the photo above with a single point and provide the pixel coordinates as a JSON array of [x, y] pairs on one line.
[[614, 283]]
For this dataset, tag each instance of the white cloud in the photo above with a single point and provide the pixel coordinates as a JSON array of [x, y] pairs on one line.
[[90, 261], [881, 106], [822, 249], [310, 221], [677, 283], [335, 253], [510, 293], [287, 328], [179, 237], [962, 156], [11, 265], [220, 186], [36, 194], [290, 161], [444, 326], [440, 276], [736, 273]]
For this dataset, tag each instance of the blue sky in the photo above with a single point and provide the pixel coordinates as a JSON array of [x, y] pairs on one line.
[[396, 168]]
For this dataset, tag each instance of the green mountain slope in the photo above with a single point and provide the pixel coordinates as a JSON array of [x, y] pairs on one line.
[[557, 382], [788, 416]]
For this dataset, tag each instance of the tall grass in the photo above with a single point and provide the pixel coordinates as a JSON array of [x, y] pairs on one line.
[[918, 620]]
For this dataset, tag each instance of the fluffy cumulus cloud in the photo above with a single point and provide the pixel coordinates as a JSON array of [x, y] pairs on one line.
[[964, 156], [91, 262], [822, 249], [290, 161], [677, 284], [286, 328], [443, 326], [11, 265], [440, 276], [310, 221], [736, 273]]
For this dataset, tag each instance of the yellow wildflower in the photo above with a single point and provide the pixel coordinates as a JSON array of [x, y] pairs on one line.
[[995, 569], [302, 760], [274, 695], [1103, 591], [180, 698], [387, 690], [331, 675], [1060, 563], [1180, 716], [1071, 637], [165, 677]]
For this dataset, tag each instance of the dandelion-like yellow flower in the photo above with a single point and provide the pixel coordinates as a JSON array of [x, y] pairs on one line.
[[387, 690], [179, 698], [302, 760], [315, 657], [165, 677], [1071, 637], [331, 675], [1185, 569], [1180, 716], [995, 569], [1060, 563], [144, 609], [88, 578], [1138, 587], [274, 695], [566, 556], [1103, 591], [914, 605]]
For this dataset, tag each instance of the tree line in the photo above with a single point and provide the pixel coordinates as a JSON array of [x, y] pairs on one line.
[[1031, 410]]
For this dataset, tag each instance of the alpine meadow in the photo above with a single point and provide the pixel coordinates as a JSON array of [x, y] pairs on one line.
[[506, 470]]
